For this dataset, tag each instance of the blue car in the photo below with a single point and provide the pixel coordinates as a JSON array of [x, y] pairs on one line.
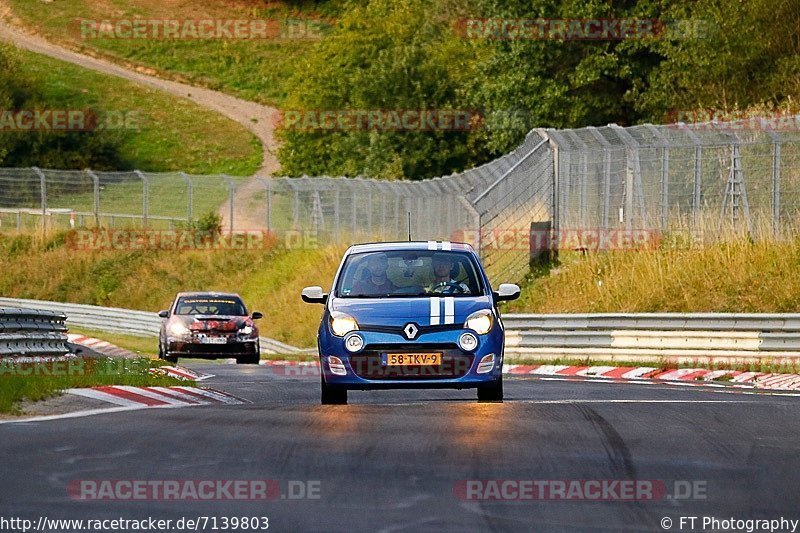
[[411, 315]]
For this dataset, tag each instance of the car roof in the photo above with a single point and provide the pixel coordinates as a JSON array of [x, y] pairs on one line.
[[215, 294], [409, 245]]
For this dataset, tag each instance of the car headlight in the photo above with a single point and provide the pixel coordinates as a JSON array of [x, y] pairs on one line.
[[342, 324], [247, 330], [480, 322], [178, 329]]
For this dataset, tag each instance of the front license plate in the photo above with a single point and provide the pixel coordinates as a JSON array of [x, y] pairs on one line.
[[413, 359], [213, 340]]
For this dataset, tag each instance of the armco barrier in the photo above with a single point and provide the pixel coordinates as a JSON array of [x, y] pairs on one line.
[[113, 319], [649, 336], [32, 332]]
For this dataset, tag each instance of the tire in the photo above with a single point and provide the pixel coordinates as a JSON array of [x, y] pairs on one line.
[[491, 393], [171, 358], [250, 359], [332, 395]]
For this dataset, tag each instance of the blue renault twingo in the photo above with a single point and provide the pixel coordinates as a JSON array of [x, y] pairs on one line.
[[411, 315]]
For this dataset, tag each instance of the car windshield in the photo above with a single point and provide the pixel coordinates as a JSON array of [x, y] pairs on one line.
[[404, 273], [202, 305]]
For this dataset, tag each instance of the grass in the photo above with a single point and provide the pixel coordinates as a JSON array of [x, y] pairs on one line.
[[38, 381], [738, 276], [171, 133], [252, 69], [270, 280], [145, 346]]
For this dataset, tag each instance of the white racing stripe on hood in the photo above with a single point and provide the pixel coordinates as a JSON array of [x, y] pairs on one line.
[[435, 316], [449, 310]]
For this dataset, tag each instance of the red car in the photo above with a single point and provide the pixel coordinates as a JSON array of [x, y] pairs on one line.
[[209, 325]]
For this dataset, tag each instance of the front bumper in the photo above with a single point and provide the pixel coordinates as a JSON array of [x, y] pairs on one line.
[[194, 348], [366, 369]]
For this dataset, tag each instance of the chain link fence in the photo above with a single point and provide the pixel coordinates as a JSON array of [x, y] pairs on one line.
[[700, 182]]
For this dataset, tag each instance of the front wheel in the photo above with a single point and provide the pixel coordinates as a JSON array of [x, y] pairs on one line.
[[491, 393], [331, 395], [252, 358]]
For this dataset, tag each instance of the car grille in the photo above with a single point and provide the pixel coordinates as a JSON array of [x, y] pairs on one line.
[[367, 364]]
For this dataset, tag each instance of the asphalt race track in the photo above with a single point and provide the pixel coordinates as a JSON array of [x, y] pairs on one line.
[[398, 460]]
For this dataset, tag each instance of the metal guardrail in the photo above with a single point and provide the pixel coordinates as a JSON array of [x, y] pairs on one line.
[[32, 332], [116, 320], [653, 335]]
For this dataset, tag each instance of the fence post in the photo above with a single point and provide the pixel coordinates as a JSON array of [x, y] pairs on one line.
[[583, 176], [776, 178], [664, 174], [231, 193], [190, 197], [96, 196], [336, 214], [634, 189], [145, 195], [606, 175], [267, 201], [43, 190], [369, 185], [698, 175]]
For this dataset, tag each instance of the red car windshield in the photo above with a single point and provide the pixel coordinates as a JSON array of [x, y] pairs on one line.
[[195, 305]]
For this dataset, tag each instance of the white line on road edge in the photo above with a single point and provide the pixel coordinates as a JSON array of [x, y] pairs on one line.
[[90, 412]]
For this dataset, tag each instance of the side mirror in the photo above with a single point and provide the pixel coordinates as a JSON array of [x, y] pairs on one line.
[[256, 315], [163, 314], [507, 292], [314, 295]]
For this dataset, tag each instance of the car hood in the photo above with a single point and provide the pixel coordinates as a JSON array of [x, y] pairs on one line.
[[400, 311], [212, 322]]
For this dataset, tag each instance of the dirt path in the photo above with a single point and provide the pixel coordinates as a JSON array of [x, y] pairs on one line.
[[257, 118]]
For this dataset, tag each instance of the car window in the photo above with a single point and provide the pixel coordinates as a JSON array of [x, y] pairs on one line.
[[408, 273], [210, 306]]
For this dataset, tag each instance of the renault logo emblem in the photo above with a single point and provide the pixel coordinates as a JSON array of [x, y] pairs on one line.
[[411, 331]]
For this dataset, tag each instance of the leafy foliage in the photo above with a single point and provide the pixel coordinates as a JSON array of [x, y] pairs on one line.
[[386, 54]]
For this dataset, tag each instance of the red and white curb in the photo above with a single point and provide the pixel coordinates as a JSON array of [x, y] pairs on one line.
[[180, 372], [683, 376], [143, 397], [101, 346], [645, 374]]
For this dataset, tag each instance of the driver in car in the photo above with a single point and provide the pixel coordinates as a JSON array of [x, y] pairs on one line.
[[443, 282], [375, 281]]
